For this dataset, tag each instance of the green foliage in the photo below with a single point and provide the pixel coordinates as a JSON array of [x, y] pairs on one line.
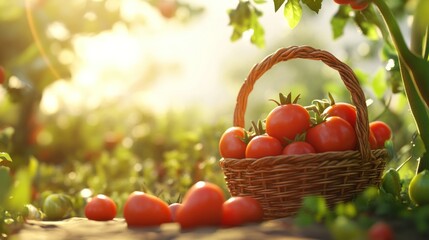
[[349, 220], [245, 17], [293, 12]]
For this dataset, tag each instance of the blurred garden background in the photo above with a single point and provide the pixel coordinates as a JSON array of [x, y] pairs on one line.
[[112, 96]]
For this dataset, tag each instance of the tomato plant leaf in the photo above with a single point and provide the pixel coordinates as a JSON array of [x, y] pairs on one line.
[[5, 156], [5, 183], [260, 1], [278, 4], [379, 83], [20, 193], [314, 5], [339, 21], [245, 19], [293, 12], [368, 28]]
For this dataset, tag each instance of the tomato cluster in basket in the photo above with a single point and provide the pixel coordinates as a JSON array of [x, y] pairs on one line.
[[291, 128]]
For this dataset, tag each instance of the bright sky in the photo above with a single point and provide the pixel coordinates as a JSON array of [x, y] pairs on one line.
[[163, 64]]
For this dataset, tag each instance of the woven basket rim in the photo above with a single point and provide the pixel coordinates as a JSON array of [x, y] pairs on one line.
[[278, 161]]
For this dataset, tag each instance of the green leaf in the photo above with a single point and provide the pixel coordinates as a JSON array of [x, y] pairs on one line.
[[260, 1], [245, 19], [293, 12], [278, 4], [339, 21], [314, 5], [5, 156], [368, 28], [20, 193], [5, 183], [379, 85]]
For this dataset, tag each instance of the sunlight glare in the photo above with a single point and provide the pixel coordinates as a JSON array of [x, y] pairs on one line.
[[57, 30]]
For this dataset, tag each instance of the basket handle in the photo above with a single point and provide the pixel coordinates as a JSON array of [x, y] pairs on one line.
[[307, 52]]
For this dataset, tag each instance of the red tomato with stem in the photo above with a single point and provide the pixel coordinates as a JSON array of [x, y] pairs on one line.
[[285, 122], [345, 111], [201, 206], [381, 131], [380, 231], [145, 210], [334, 134], [231, 143], [241, 210], [299, 147], [262, 146], [173, 210], [100, 208]]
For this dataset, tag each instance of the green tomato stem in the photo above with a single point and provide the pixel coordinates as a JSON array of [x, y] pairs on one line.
[[414, 72], [418, 67], [420, 114]]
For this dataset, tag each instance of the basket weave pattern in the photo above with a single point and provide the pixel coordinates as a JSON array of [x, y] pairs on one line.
[[280, 182]]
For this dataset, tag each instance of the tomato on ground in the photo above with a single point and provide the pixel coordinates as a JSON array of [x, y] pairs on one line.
[[343, 110], [334, 134], [285, 122], [262, 146], [231, 143], [241, 210], [380, 231], [57, 206], [381, 131], [201, 206], [173, 210], [299, 147], [418, 189], [145, 210], [100, 208]]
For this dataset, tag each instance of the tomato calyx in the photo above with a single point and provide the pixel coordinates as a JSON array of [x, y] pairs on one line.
[[284, 100], [256, 130]]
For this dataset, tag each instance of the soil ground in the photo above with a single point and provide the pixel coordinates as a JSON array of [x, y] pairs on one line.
[[82, 228]]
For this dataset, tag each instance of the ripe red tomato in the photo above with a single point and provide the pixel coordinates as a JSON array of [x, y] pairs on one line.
[[2, 75], [241, 210], [287, 121], [345, 111], [334, 134], [231, 144], [372, 140], [359, 4], [201, 206], [262, 146], [299, 147], [173, 210], [144, 210], [343, 1], [381, 131], [100, 208], [380, 231]]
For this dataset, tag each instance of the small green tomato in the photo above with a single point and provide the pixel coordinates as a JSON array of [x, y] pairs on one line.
[[57, 206], [418, 189], [391, 182]]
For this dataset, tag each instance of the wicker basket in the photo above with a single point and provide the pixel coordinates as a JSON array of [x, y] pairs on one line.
[[280, 182]]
